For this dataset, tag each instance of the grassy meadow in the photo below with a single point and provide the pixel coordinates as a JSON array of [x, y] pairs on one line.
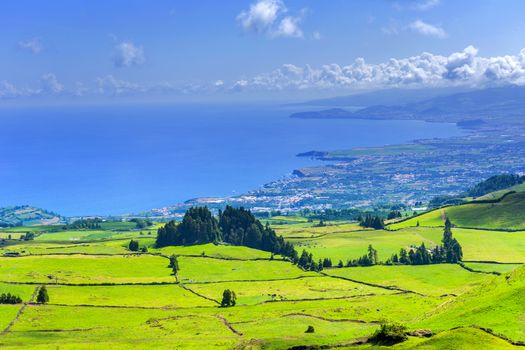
[[102, 296]]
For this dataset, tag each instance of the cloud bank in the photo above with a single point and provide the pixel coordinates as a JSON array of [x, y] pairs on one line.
[[462, 68], [426, 70]]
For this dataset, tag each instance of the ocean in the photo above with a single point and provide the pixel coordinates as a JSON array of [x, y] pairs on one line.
[[110, 160]]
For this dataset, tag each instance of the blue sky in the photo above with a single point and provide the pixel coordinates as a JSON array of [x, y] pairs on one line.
[[104, 50]]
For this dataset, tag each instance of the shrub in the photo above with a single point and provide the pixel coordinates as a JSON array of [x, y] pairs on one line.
[[389, 334], [310, 329], [42, 296]]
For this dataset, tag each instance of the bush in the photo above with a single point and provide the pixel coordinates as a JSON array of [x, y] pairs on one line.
[[310, 329], [389, 334], [9, 299], [42, 296]]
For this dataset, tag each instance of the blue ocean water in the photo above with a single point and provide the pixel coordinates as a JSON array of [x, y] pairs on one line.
[[115, 160]]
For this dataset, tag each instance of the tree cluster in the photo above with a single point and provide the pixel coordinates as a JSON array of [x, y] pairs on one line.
[[306, 262], [495, 183], [369, 259], [84, 224], [198, 226], [449, 252], [235, 226], [394, 214], [9, 299], [370, 221], [141, 223]]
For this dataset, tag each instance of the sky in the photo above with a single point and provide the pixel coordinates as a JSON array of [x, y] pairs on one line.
[[73, 51]]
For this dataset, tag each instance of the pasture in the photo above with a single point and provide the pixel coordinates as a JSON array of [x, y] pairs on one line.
[[103, 296]]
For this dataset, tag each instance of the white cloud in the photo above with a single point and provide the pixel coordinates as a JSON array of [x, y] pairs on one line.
[[427, 29], [50, 84], [32, 45], [426, 5], [261, 15], [289, 27], [128, 54], [425, 70], [268, 17], [316, 35], [109, 85]]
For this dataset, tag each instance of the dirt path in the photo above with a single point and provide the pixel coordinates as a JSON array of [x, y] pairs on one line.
[[331, 319], [228, 324], [20, 312], [374, 285], [198, 294]]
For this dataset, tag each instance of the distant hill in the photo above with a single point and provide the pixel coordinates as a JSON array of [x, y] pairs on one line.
[[506, 212], [382, 97], [26, 215], [469, 109], [492, 188]]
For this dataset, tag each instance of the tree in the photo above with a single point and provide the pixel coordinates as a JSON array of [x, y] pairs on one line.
[[174, 264], [133, 246], [310, 329], [228, 298], [42, 296]]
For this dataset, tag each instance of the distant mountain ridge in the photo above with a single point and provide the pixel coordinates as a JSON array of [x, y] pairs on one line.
[[26, 215], [385, 97], [460, 107]]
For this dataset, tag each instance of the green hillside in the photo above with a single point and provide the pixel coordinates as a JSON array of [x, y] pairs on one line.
[[27, 216], [507, 212], [497, 304]]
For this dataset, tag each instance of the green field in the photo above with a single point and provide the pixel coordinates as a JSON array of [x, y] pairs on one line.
[[202, 269], [86, 269], [506, 214], [294, 289], [436, 280], [101, 296], [352, 244]]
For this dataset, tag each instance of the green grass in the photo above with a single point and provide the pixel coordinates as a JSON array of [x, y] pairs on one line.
[[13, 235], [215, 270], [24, 291], [7, 313], [304, 288], [483, 245], [219, 251], [106, 247], [276, 302], [509, 213], [460, 339], [84, 235], [433, 280], [498, 304], [310, 231], [501, 268], [52, 327], [284, 332], [86, 269], [165, 296], [351, 245]]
